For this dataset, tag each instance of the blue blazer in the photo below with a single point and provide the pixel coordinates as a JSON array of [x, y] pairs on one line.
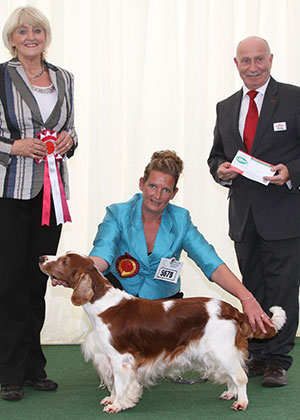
[[122, 232]]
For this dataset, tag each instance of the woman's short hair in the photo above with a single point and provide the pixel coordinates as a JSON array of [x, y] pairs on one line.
[[166, 161], [30, 15]]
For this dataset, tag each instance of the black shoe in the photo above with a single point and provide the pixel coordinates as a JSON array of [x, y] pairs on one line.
[[44, 384], [255, 367], [12, 392], [274, 375]]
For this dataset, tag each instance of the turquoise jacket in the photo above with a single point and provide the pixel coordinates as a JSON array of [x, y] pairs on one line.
[[122, 232]]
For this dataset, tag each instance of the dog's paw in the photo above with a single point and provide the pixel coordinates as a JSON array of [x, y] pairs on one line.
[[239, 406], [107, 400], [228, 395], [112, 408]]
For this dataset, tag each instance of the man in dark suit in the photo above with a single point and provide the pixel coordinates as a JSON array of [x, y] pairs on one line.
[[264, 221]]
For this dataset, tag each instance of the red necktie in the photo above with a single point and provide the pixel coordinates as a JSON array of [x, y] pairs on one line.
[[251, 121]]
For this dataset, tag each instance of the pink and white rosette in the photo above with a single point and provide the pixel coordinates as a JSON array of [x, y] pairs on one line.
[[52, 182]]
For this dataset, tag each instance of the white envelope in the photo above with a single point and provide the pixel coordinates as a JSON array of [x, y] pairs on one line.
[[251, 168]]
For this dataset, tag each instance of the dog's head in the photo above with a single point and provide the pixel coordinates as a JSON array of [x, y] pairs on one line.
[[72, 270]]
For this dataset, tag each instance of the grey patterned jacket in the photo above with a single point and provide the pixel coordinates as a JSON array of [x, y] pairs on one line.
[[21, 177]]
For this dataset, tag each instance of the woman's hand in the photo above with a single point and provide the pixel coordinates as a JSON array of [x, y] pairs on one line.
[[100, 263], [64, 143], [29, 147], [256, 316], [229, 282]]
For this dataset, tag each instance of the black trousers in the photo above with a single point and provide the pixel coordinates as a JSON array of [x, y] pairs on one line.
[[271, 271], [23, 287]]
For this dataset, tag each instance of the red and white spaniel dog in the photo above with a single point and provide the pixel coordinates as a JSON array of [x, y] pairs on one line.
[[137, 341]]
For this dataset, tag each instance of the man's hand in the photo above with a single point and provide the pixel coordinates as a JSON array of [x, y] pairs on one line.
[[281, 177], [225, 173]]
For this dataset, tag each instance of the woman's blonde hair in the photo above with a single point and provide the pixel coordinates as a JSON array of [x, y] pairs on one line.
[[30, 15], [166, 161]]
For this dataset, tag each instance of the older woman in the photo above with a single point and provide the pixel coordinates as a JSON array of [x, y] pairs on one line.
[[139, 242], [34, 96]]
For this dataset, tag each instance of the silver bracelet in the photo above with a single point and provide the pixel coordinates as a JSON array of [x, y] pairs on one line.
[[247, 298]]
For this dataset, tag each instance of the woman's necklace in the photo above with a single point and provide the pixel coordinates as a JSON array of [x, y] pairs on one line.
[[33, 78], [44, 90]]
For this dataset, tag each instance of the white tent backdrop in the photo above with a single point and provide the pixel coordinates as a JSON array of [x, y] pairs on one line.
[[148, 75]]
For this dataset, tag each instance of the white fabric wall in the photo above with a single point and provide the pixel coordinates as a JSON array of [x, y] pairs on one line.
[[148, 75]]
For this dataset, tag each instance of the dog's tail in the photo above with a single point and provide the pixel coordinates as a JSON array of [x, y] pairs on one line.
[[278, 320], [279, 317]]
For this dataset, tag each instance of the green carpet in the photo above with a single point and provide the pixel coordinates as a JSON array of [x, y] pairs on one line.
[[78, 396]]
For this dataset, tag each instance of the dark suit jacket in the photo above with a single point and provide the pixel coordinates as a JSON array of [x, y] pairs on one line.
[[276, 209]]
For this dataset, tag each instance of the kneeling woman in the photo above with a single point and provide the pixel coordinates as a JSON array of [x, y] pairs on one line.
[[139, 242]]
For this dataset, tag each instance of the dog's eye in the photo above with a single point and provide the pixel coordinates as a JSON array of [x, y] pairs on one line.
[[64, 260]]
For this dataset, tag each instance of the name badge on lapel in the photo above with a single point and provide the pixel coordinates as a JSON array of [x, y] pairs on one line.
[[279, 126], [168, 270]]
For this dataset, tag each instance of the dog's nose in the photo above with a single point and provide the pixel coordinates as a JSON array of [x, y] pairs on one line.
[[42, 258]]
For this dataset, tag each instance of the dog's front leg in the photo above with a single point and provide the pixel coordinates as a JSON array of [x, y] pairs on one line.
[[231, 390], [127, 389], [92, 350]]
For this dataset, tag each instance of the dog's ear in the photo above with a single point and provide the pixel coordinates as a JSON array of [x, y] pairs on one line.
[[83, 291]]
